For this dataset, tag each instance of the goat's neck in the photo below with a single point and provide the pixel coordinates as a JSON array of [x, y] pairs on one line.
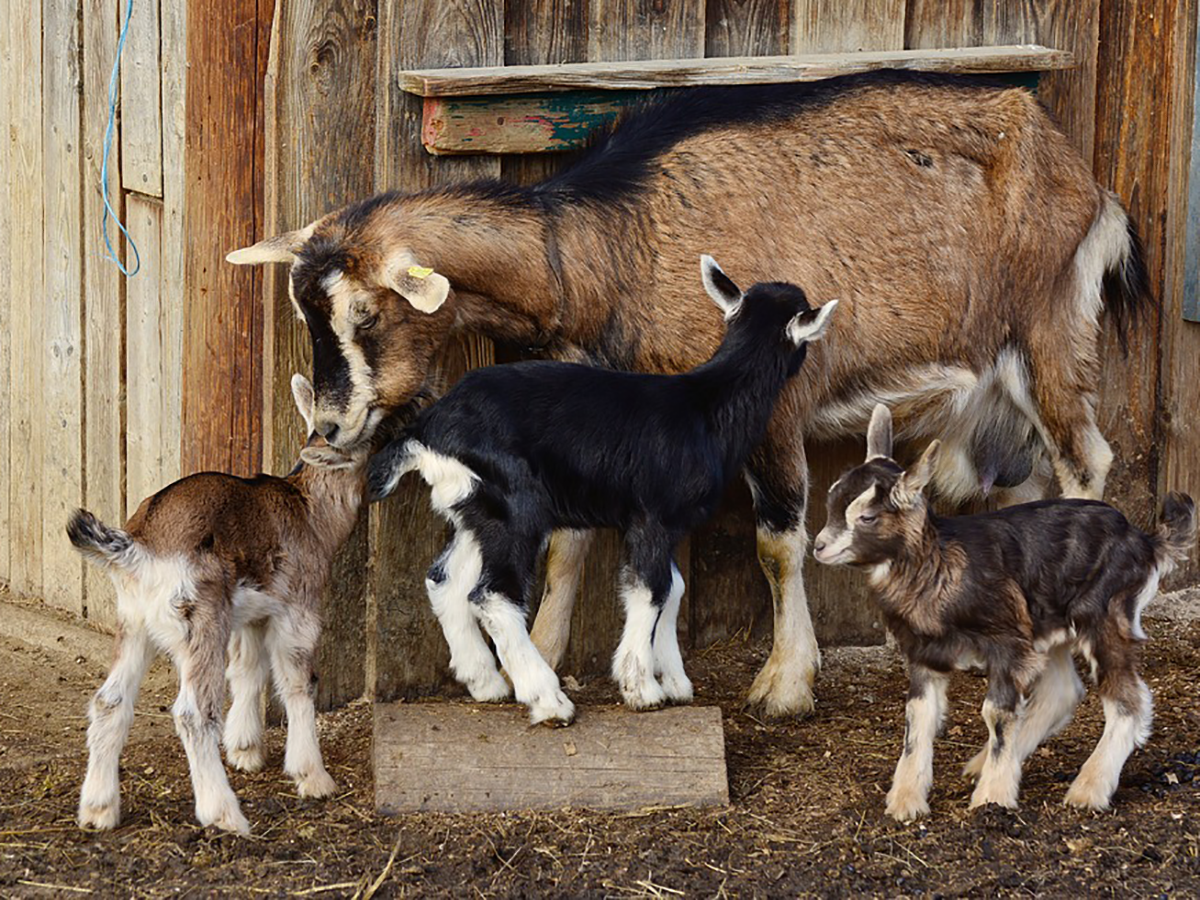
[[334, 498]]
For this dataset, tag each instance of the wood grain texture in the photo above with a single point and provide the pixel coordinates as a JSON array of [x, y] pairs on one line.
[[61, 403], [6, 232], [321, 73], [25, 201], [222, 361], [174, 246], [145, 360], [848, 26], [646, 74], [104, 313], [455, 758], [410, 655], [1180, 468], [747, 27], [644, 30], [141, 111]]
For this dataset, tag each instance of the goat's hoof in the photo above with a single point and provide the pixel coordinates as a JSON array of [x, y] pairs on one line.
[[557, 712], [777, 693], [103, 817], [1087, 796], [316, 785], [644, 695], [974, 766], [985, 798], [228, 817], [245, 759], [490, 689], [678, 690], [906, 805]]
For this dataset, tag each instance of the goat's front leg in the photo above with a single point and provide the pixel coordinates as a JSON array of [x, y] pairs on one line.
[[908, 798], [111, 714], [564, 569], [1000, 774], [247, 675], [778, 478], [291, 642]]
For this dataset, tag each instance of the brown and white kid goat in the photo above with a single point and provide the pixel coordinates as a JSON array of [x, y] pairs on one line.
[[1015, 593], [967, 241], [214, 563]]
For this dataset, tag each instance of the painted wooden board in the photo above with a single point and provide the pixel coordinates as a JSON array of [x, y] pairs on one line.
[[141, 110], [650, 74], [61, 402], [451, 757], [103, 384]]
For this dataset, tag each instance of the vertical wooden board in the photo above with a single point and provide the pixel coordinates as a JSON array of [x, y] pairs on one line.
[[103, 291], [409, 652], [141, 110], [61, 403], [6, 229], [320, 99], [929, 24], [144, 360], [747, 27], [645, 29], [25, 201], [841, 26], [174, 247], [1180, 468]]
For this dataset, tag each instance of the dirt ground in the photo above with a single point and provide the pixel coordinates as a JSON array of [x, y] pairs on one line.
[[806, 814]]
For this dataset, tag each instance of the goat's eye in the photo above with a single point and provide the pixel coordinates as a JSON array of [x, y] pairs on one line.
[[369, 322], [868, 518]]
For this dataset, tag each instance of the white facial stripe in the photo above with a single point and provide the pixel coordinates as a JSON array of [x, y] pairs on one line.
[[859, 505], [344, 303]]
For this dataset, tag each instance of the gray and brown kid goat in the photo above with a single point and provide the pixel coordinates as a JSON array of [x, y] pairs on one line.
[[1015, 593], [969, 245]]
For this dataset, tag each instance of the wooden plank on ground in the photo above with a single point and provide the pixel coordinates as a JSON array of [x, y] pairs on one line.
[[174, 246], [647, 74], [6, 230], [141, 110], [144, 357], [25, 215], [103, 291], [61, 403], [449, 757], [408, 651], [311, 175]]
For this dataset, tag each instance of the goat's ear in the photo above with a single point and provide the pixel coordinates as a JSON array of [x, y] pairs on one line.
[[879, 433], [424, 288], [302, 392], [913, 482], [724, 293], [810, 325], [281, 248]]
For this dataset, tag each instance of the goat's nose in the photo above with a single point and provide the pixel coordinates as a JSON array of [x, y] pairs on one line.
[[326, 429]]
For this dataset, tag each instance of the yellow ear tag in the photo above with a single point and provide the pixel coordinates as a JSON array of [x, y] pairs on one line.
[[419, 271]]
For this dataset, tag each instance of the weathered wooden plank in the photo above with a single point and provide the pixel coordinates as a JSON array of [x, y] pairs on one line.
[[525, 123], [409, 651], [643, 74], [848, 26], [145, 359], [174, 247], [222, 359], [747, 27], [455, 758], [141, 112], [6, 230], [26, 216], [321, 73], [1180, 338], [644, 30], [104, 445], [61, 403]]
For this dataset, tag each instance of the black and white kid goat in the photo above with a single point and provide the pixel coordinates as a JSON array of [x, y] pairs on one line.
[[1015, 593], [513, 452]]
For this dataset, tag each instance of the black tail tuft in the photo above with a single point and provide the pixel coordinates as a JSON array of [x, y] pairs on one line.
[[1176, 529], [94, 539], [1127, 293]]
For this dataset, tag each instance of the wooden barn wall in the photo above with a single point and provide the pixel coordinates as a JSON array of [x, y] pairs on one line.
[[90, 361], [243, 119]]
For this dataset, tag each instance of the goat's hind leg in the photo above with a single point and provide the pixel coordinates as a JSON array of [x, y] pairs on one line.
[[247, 675], [111, 714], [668, 661], [564, 569], [291, 643]]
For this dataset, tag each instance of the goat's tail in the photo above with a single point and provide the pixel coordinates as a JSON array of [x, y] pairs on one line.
[[101, 544], [1126, 285], [1176, 534]]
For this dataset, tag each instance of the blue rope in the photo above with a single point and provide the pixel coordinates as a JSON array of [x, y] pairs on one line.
[[108, 138]]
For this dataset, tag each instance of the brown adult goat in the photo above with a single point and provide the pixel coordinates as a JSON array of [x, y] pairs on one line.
[[967, 241]]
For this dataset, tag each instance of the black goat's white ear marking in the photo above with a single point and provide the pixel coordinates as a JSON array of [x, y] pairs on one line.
[[879, 433], [810, 325], [913, 482], [424, 288], [281, 248], [724, 293], [302, 393]]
